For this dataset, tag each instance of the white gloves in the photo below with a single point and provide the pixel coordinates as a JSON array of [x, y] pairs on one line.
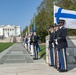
[[56, 42], [53, 44]]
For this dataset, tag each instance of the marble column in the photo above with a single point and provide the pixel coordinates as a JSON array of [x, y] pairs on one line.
[[47, 49]]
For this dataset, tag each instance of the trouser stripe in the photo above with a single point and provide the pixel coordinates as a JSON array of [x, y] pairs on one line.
[[57, 59], [53, 55], [50, 56], [64, 58]]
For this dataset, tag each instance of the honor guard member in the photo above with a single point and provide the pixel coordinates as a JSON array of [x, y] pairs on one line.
[[51, 47], [35, 42], [56, 44], [62, 45], [26, 42], [31, 43]]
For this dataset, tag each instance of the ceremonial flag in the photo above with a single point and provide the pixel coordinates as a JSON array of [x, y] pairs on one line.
[[26, 33], [31, 30], [28, 29], [34, 25], [68, 15]]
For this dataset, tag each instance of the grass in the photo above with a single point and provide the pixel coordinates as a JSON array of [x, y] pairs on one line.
[[42, 52], [4, 46]]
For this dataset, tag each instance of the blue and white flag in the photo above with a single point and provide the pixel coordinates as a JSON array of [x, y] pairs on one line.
[[68, 15]]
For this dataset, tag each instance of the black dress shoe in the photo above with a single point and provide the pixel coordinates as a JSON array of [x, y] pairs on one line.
[[35, 58], [55, 67], [52, 65], [62, 70]]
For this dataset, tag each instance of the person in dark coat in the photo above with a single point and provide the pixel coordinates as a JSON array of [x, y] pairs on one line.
[[51, 47], [62, 45], [35, 43], [56, 44], [31, 39]]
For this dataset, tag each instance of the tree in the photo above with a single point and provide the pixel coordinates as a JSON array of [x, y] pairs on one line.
[[44, 17]]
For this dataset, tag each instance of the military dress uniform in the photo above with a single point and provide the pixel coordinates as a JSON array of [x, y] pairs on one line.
[[35, 43], [31, 43], [62, 45], [29, 46], [56, 49], [51, 42], [26, 42]]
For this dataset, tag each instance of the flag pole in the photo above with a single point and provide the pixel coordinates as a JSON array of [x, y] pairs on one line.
[[53, 11], [53, 14]]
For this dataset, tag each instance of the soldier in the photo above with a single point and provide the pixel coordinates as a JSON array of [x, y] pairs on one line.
[[62, 45], [51, 47], [35, 42], [55, 45], [26, 42], [31, 43]]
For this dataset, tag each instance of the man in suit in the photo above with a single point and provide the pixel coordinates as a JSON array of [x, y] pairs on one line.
[[51, 47], [62, 45]]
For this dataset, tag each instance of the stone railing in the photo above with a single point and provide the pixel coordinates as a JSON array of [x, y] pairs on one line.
[[71, 50]]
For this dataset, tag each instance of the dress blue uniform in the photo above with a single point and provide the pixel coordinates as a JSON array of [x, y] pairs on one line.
[[31, 43], [56, 49], [51, 49], [62, 45], [35, 43]]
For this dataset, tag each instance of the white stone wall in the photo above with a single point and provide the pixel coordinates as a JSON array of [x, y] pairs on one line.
[[71, 50]]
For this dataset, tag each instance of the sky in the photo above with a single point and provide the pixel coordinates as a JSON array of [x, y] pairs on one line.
[[18, 12]]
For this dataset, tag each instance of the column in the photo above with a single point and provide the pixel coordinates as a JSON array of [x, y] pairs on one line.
[[15, 30], [3, 32], [8, 32], [47, 50]]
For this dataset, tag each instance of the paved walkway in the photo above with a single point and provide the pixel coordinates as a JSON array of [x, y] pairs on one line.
[[17, 54], [17, 61]]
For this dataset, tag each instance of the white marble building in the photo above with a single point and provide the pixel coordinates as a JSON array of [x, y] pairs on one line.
[[9, 30]]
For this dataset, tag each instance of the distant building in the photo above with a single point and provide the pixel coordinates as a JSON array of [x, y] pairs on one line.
[[9, 30]]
